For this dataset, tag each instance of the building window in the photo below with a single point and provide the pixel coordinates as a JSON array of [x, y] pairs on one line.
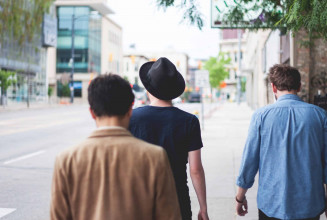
[[87, 39], [77, 88]]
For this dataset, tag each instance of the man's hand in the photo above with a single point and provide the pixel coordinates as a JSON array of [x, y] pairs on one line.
[[242, 208], [203, 215]]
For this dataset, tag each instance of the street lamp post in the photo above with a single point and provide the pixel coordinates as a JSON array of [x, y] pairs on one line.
[[72, 60]]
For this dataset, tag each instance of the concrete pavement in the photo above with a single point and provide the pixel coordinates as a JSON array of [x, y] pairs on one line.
[[224, 137], [30, 139]]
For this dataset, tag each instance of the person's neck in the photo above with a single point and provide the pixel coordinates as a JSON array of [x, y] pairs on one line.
[[111, 121], [285, 92], [161, 103]]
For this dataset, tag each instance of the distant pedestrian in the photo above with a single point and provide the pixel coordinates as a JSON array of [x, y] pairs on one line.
[[287, 143], [178, 132], [111, 174]]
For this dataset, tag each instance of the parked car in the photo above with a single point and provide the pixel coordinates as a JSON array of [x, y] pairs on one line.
[[194, 97]]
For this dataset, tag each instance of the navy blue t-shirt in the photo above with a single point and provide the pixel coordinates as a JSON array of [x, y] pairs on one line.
[[178, 132]]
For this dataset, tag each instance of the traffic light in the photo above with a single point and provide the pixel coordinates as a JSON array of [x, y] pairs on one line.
[[133, 59], [200, 64]]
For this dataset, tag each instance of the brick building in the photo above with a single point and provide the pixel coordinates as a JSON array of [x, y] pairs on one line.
[[273, 47]]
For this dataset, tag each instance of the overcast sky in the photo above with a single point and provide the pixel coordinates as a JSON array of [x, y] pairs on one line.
[[151, 29]]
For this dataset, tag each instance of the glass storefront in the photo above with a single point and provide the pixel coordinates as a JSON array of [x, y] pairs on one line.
[[28, 61], [87, 40]]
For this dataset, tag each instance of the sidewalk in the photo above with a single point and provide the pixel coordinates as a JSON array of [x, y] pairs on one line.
[[224, 137]]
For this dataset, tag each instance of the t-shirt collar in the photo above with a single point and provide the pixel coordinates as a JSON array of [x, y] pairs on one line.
[[109, 127]]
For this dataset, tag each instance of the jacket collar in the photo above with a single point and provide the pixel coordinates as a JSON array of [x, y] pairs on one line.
[[289, 96], [110, 132]]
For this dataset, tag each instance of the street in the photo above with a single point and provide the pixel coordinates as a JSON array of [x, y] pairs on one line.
[[30, 140]]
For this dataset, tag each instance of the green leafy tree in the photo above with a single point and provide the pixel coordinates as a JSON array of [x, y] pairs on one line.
[[7, 78], [287, 15], [217, 69], [190, 7], [126, 78], [20, 20], [50, 91], [63, 89]]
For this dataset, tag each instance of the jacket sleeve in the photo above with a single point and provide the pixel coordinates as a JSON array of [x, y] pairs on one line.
[[251, 154], [60, 207], [166, 201], [325, 150]]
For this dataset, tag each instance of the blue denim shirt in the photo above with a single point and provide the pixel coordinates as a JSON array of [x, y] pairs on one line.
[[287, 144]]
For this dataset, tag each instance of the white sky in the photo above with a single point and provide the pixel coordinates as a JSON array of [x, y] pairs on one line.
[[151, 29]]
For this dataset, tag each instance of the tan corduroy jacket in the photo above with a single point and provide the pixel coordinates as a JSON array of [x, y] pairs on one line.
[[112, 175]]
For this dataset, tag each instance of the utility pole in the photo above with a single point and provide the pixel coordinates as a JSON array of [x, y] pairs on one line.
[[72, 61], [202, 108]]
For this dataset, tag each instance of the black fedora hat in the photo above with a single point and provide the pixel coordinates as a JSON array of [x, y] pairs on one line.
[[162, 79]]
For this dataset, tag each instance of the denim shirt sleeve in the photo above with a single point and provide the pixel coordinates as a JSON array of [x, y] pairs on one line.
[[325, 151], [251, 154]]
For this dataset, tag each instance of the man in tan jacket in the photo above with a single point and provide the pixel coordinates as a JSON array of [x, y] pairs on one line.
[[113, 175]]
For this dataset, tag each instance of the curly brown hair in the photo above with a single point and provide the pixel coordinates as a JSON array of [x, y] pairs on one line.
[[285, 77]]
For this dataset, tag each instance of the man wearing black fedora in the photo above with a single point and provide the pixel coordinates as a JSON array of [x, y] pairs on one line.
[[178, 132]]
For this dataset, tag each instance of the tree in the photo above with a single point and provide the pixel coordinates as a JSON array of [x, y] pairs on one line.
[[20, 20], [7, 78], [191, 12], [50, 91], [217, 69], [288, 15]]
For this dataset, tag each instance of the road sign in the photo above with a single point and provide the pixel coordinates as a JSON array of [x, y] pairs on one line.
[[202, 78]]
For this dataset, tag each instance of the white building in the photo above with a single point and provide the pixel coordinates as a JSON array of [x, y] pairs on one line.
[[112, 47], [229, 45], [132, 63], [97, 45], [264, 49]]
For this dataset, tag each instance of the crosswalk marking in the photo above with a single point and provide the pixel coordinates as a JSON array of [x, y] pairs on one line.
[[5, 211]]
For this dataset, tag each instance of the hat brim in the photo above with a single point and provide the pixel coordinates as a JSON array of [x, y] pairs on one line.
[[155, 92]]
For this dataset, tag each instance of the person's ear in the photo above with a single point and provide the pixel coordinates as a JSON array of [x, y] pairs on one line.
[[299, 88], [92, 113], [273, 88], [130, 110]]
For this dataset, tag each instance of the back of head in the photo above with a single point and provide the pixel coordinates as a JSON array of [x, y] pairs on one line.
[[285, 77], [110, 95]]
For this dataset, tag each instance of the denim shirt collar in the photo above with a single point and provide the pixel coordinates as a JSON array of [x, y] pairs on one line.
[[289, 96]]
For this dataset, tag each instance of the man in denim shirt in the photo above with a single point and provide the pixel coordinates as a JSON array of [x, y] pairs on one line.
[[287, 143]]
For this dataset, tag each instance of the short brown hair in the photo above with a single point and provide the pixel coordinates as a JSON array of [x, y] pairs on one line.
[[285, 77]]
